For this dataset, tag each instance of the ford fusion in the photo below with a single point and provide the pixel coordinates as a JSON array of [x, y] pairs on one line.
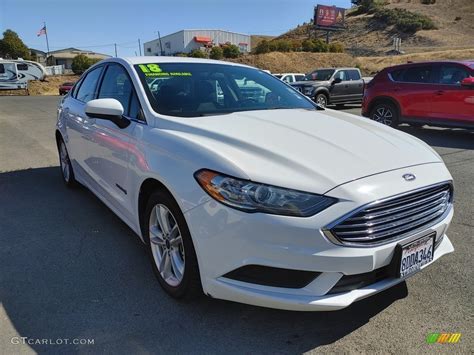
[[243, 189]]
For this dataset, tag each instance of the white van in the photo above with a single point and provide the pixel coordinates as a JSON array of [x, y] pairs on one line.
[[15, 73]]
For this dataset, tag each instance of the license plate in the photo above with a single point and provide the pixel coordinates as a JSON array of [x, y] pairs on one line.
[[416, 254]]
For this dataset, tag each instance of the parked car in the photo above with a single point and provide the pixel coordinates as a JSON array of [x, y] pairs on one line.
[[337, 86], [434, 93], [64, 88], [272, 201], [290, 77]]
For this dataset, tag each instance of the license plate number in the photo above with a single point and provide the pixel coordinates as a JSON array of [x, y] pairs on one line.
[[415, 255]]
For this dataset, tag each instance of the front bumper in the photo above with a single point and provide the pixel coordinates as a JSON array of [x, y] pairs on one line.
[[226, 239]]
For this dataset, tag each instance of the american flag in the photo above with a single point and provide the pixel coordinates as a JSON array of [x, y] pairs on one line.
[[42, 31]]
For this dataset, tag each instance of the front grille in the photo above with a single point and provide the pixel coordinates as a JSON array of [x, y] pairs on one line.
[[394, 218]]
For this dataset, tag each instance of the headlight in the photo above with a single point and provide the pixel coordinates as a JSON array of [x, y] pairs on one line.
[[250, 196], [308, 90]]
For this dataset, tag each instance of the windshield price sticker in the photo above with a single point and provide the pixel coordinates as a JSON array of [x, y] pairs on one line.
[[155, 70]]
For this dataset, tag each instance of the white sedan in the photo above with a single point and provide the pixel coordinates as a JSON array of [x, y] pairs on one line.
[[243, 189]]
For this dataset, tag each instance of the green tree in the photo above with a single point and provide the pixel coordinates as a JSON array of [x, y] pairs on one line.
[[197, 53], [230, 51], [216, 53], [11, 46], [80, 63], [262, 47]]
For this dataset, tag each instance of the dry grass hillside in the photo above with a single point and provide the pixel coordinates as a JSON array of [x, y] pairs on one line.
[[454, 20], [303, 62], [297, 62]]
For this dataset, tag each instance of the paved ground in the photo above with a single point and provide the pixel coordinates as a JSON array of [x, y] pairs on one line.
[[70, 269]]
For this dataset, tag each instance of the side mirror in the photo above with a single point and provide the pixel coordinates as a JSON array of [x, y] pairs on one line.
[[107, 109], [337, 81], [469, 82]]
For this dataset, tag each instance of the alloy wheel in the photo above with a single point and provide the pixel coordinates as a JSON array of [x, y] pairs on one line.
[[64, 161], [166, 245], [383, 114], [321, 100]]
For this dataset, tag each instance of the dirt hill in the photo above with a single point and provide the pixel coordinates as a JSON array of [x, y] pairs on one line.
[[454, 21]]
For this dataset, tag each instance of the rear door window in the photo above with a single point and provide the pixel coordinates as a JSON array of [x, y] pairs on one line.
[[353, 74], [88, 89], [418, 74]]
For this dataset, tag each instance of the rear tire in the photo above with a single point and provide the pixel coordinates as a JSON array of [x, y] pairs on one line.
[[385, 113], [170, 247], [65, 164]]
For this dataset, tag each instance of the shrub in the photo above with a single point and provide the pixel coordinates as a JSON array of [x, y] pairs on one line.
[[282, 45], [230, 51], [81, 62], [308, 45], [197, 53], [262, 47], [336, 47], [296, 45], [404, 20], [216, 53], [320, 46]]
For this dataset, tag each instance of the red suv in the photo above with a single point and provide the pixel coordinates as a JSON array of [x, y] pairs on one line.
[[433, 93]]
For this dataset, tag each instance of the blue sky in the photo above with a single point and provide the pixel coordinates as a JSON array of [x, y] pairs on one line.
[[97, 24]]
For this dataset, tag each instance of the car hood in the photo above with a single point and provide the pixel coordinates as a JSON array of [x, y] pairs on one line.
[[310, 83], [306, 150]]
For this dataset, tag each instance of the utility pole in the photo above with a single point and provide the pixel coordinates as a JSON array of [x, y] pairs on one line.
[[161, 45], [115, 45], [139, 47]]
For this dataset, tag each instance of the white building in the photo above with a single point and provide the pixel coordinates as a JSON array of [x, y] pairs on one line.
[[185, 41]]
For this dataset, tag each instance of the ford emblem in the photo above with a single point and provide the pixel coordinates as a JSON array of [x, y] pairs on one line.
[[409, 177]]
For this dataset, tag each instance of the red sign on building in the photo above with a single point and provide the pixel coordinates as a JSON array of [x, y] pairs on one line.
[[329, 16]]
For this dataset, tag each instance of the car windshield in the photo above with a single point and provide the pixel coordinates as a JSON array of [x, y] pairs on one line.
[[201, 89], [320, 75]]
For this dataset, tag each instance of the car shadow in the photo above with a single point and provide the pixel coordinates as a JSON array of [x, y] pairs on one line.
[[442, 137], [70, 269]]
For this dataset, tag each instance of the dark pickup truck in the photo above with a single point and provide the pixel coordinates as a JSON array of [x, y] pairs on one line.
[[336, 86]]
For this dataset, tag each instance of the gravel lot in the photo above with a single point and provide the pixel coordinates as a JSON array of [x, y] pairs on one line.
[[70, 269]]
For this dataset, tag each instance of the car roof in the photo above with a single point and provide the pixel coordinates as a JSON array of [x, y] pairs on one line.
[[468, 63], [169, 59], [337, 68]]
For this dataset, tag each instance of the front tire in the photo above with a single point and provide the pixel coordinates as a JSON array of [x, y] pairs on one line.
[[65, 164], [321, 100], [385, 113], [170, 247]]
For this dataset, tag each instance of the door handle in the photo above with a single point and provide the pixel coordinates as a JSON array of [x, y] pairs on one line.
[[439, 92]]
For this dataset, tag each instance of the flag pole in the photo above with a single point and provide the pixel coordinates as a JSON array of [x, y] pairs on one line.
[[47, 41]]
